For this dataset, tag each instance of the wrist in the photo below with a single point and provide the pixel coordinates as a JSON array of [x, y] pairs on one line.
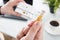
[[0, 11]]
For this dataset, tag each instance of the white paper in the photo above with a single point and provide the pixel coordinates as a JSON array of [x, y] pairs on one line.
[[27, 10]]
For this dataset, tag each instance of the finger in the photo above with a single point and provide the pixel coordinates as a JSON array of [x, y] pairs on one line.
[[24, 31], [31, 23], [15, 13], [21, 34], [39, 35], [15, 2], [19, 0], [33, 30], [28, 27]]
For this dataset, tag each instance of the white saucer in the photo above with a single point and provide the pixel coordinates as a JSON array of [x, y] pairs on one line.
[[54, 30]]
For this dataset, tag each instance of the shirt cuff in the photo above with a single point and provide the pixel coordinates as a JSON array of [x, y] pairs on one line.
[[1, 3]]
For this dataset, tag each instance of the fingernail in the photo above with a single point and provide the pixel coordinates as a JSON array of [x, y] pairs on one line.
[[30, 24], [36, 23]]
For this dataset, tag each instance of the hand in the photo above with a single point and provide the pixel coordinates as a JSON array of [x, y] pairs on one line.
[[32, 32], [8, 7]]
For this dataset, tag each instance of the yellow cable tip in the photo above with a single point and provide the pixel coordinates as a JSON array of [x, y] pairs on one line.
[[39, 18]]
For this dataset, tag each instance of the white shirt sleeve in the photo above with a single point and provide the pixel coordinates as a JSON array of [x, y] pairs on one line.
[[1, 3]]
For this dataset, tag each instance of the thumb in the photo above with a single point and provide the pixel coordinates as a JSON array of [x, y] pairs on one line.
[[15, 13], [33, 31], [24, 31]]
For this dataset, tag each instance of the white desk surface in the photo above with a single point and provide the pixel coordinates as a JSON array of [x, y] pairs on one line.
[[11, 27]]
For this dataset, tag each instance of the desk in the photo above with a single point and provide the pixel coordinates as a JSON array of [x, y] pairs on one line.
[[13, 27], [10, 26]]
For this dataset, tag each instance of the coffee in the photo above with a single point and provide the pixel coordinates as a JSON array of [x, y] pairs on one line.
[[54, 23]]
